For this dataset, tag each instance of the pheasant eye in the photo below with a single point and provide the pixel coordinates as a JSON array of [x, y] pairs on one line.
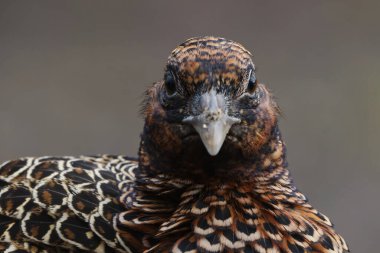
[[170, 84], [252, 83]]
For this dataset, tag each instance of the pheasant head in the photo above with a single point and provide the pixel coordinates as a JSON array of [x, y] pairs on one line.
[[209, 112]]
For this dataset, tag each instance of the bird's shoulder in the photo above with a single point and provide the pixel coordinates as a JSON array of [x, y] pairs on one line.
[[38, 168], [66, 201]]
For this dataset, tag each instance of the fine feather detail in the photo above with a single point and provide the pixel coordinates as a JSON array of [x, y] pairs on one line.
[[176, 197], [63, 202], [275, 218]]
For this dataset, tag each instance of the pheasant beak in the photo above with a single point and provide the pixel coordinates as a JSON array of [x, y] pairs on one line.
[[213, 123]]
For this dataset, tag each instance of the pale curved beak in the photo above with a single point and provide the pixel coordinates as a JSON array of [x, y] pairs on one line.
[[213, 124]]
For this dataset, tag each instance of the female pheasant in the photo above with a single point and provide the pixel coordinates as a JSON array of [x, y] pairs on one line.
[[211, 175]]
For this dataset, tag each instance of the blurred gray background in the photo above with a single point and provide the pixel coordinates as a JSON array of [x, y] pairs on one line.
[[72, 75]]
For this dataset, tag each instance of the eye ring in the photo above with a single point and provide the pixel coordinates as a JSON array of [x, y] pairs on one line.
[[170, 83]]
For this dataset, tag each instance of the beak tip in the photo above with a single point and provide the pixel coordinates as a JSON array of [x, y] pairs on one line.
[[213, 137], [213, 151], [212, 133], [213, 123]]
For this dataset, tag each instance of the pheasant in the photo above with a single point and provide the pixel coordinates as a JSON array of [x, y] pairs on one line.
[[211, 175]]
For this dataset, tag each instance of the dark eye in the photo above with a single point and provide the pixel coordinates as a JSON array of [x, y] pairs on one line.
[[252, 83], [170, 84]]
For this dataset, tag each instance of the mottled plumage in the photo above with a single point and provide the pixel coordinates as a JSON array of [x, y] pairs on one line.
[[211, 175]]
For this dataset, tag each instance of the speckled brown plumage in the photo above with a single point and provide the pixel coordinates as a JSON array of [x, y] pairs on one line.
[[211, 175]]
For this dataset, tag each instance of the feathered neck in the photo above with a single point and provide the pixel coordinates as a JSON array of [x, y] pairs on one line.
[[228, 167], [259, 210]]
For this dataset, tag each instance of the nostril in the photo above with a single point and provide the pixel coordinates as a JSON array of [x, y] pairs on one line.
[[214, 115]]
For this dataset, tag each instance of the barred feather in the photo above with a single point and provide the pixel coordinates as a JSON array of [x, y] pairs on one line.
[[63, 202], [242, 218]]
